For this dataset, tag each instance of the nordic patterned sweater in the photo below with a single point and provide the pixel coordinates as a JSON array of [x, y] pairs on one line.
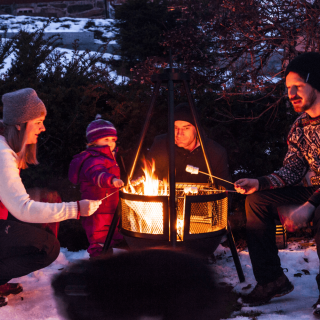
[[303, 154]]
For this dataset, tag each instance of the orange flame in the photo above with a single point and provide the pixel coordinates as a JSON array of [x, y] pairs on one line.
[[150, 214], [151, 185]]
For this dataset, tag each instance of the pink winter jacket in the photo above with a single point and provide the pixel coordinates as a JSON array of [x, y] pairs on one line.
[[94, 170]]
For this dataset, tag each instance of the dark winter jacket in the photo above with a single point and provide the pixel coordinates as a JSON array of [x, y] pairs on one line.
[[94, 170], [217, 157]]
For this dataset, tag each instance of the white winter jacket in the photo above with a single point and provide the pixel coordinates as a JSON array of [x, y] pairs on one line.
[[15, 198]]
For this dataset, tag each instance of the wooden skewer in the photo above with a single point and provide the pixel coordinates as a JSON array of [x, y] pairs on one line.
[[218, 190], [210, 175], [112, 193]]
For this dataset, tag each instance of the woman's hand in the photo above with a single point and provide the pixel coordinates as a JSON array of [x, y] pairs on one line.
[[88, 207], [118, 183], [246, 186]]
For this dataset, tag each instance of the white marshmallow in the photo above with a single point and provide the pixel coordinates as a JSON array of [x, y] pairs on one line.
[[190, 189], [194, 190], [187, 189], [192, 169]]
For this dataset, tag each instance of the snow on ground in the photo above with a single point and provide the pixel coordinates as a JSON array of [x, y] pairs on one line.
[[16, 23], [37, 302], [301, 265]]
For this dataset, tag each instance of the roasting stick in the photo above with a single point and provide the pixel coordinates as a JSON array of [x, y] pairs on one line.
[[195, 170], [218, 190], [203, 190], [112, 193]]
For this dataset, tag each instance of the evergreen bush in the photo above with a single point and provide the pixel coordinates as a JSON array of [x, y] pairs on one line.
[[139, 28]]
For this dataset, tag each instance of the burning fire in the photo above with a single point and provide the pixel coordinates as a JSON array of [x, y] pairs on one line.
[[150, 184], [149, 214]]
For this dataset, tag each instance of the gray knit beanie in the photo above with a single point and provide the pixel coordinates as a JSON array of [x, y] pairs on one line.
[[307, 66], [22, 106]]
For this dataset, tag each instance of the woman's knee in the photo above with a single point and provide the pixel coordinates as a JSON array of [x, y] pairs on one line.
[[52, 249]]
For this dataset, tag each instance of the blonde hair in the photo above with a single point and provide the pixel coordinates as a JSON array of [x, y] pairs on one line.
[[16, 139]]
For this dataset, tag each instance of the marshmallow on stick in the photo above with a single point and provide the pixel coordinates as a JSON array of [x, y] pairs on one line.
[[192, 169], [195, 170]]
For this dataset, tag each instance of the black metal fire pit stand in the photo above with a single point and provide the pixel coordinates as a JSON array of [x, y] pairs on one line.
[[170, 76]]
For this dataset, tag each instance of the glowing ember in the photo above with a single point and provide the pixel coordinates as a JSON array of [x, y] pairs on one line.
[[180, 225], [149, 216]]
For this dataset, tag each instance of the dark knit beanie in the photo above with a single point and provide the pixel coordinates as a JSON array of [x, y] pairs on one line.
[[22, 106], [183, 112], [307, 66], [100, 128]]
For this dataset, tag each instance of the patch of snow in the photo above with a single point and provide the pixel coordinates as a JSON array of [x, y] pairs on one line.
[[37, 301]]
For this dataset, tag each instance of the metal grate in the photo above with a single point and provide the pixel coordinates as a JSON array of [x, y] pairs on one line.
[[142, 216], [208, 216], [205, 217]]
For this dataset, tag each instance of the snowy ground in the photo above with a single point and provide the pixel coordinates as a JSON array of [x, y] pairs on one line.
[[16, 23], [36, 302], [301, 265]]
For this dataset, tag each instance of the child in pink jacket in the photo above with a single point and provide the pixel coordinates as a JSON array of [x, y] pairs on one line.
[[97, 172]]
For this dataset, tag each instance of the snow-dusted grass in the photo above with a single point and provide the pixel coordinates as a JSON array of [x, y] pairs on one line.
[[301, 265]]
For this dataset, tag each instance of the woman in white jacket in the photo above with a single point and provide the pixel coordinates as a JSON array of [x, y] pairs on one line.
[[23, 248]]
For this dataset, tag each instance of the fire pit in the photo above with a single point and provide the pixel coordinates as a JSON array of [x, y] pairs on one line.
[[201, 218]]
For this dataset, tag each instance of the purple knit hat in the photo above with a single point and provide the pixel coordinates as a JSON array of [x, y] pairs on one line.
[[100, 128]]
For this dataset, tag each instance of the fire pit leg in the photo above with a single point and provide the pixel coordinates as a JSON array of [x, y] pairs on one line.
[[112, 229], [235, 254]]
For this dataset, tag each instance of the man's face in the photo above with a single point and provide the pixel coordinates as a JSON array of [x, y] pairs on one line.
[[300, 94], [185, 135]]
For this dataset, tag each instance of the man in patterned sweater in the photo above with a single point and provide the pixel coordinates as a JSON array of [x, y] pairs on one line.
[[283, 187]]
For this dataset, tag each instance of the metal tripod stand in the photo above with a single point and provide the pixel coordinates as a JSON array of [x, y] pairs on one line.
[[170, 77]]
